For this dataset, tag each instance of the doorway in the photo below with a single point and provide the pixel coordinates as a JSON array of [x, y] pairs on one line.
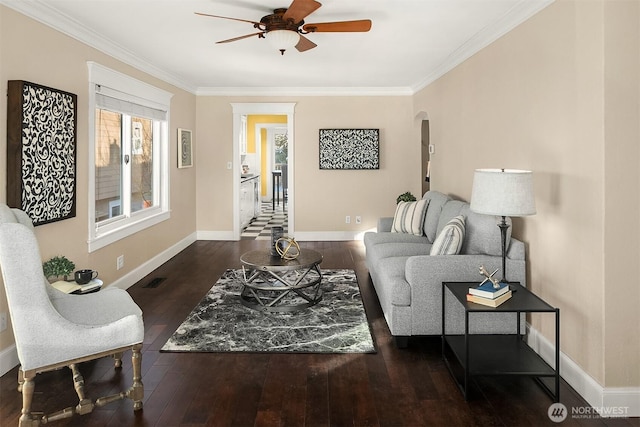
[[426, 150], [271, 163], [240, 112]]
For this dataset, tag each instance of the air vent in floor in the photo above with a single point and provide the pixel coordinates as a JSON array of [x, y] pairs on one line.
[[155, 282]]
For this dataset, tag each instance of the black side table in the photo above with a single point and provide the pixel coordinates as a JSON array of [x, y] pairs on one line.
[[498, 354]]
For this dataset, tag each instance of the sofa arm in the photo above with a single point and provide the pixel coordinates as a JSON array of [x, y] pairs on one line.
[[385, 224], [425, 274]]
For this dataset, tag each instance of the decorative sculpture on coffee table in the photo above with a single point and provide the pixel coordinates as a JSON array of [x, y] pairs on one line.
[[287, 248]]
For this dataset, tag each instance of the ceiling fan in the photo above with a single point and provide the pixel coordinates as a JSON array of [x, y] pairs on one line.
[[285, 27]]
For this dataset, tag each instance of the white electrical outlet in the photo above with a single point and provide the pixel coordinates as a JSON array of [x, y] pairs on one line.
[[347, 219], [3, 321], [120, 262], [229, 165], [358, 219]]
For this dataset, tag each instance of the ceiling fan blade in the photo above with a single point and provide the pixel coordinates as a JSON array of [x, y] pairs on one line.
[[226, 17], [362, 25], [300, 9], [240, 38], [305, 44]]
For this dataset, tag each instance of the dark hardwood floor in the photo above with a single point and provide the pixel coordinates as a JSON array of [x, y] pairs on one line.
[[409, 387]]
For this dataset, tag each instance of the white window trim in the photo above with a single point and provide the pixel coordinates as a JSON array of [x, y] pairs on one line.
[[152, 97]]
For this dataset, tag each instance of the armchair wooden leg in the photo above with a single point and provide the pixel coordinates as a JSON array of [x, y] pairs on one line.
[[85, 406], [27, 386], [136, 393], [20, 379], [118, 360]]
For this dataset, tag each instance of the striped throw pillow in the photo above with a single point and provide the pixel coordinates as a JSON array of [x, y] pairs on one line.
[[409, 217], [450, 239]]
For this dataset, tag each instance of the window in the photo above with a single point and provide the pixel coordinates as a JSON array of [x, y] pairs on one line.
[[129, 167]]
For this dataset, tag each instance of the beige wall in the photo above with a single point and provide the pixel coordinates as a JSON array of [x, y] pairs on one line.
[[322, 198], [559, 95], [33, 52], [622, 192]]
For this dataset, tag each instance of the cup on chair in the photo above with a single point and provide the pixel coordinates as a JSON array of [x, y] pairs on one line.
[[85, 276]]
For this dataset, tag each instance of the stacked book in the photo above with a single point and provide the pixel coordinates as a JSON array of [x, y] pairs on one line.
[[75, 288], [486, 294]]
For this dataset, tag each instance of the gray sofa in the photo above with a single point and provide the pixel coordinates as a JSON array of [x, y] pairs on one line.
[[408, 280]]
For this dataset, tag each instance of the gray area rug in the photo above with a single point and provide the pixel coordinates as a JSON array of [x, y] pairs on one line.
[[220, 323]]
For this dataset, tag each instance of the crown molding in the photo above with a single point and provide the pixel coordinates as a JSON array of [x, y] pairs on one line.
[[519, 13], [304, 91], [40, 11]]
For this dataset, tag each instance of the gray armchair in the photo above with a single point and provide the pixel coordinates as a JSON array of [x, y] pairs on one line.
[[53, 329]]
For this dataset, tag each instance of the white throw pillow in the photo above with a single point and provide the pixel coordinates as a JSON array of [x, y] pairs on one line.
[[409, 217], [450, 239]]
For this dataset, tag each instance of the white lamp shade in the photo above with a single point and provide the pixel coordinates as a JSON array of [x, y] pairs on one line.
[[283, 39], [503, 192]]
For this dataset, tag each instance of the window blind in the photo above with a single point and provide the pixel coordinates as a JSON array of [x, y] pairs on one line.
[[113, 100]]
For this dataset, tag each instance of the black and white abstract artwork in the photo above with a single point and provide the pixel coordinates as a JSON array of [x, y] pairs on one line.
[[349, 149], [41, 143]]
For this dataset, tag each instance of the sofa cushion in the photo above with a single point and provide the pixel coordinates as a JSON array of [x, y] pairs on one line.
[[371, 238], [378, 252], [450, 239], [483, 234], [436, 201], [450, 210], [409, 217]]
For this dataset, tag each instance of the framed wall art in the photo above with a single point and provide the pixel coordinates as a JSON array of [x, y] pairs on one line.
[[185, 152], [349, 149], [41, 151]]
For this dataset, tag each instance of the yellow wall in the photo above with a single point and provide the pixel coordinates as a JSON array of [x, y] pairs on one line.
[[560, 95], [254, 120]]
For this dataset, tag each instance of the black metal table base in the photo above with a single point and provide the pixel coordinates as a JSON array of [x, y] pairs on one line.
[[468, 355], [285, 291]]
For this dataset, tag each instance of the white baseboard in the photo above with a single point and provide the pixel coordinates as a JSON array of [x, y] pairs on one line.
[[142, 270], [9, 356], [325, 236], [215, 235], [608, 402]]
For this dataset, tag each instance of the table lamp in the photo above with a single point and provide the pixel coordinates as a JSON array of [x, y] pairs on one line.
[[503, 192]]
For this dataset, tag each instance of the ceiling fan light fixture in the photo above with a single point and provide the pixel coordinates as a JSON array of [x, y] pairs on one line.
[[283, 39]]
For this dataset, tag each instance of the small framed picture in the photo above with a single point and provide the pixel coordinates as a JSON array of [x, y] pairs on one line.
[[185, 152]]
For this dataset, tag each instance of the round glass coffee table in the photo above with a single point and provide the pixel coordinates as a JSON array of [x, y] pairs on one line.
[[275, 284]]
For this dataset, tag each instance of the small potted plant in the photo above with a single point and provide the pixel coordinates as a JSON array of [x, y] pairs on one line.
[[58, 266], [406, 197]]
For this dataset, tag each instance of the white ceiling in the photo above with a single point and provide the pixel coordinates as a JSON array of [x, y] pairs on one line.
[[411, 42]]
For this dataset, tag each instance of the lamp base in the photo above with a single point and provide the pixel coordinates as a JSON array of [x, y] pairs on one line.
[[503, 234]]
